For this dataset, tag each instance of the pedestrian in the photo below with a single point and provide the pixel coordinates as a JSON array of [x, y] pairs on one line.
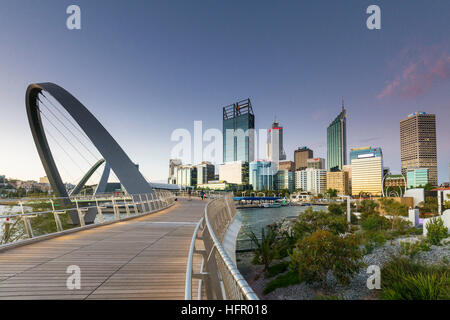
[[189, 194]]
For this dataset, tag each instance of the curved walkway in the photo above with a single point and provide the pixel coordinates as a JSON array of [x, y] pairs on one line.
[[142, 258]]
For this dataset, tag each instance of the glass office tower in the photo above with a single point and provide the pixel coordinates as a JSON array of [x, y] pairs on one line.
[[337, 142], [238, 132]]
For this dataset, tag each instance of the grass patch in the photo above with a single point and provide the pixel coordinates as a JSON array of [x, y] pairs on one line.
[[404, 279], [285, 280], [277, 269]]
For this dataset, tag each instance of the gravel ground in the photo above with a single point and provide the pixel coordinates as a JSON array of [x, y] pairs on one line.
[[356, 290]]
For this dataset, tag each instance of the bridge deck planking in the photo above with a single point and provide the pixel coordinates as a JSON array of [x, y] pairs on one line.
[[143, 258]]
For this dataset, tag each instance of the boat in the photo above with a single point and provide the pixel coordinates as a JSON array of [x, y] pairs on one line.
[[271, 205]]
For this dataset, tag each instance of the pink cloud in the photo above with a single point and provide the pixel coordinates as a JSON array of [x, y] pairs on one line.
[[419, 74]]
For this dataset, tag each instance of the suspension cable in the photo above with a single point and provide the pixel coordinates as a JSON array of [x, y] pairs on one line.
[[90, 164], [76, 137]]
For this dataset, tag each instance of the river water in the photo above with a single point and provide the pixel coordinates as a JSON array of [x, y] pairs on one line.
[[254, 219]]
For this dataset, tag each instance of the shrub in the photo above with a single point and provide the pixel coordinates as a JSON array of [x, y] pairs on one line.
[[335, 209], [311, 221], [375, 222], [324, 251], [278, 268], [284, 280], [372, 240], [404, 279], [412, 249], [436, 231], [394, 208]]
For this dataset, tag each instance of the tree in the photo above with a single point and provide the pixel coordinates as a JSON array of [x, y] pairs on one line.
[[332, 193], [311, 221], [368, 207], [436, 231], [322, 252], [335, 209], [395, 209], [265, 251], [430, 205]]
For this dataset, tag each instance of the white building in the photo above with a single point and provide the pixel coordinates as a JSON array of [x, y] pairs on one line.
[[311, 180], [274, 147], [232, 172], [186, 175]]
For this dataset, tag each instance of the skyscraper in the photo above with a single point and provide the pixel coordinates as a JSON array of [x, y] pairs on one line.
[[301, 156], [367, 170], [418, 144], [275, 151], [337, 142], [238, 132]]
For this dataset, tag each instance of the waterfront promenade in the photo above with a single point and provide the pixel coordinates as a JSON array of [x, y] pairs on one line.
[[142, 258]]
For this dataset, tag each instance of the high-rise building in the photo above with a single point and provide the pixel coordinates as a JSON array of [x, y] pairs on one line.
[[311, 180], [348, 168], [261, 174], [338, 180], [286, 165], [367, 170], [417, 177], [418, 144], [205, 172], [238, 132], [284, 179], [275, 151], [186, 175], [235, 172], [315, 163], [172, 164], [337, 142], [301, 156]]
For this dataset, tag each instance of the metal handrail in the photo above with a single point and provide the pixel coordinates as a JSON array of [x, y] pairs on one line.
[[221, 270], [189, 269], [162, 200]]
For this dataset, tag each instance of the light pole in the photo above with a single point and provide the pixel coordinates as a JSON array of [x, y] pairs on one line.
[[348, 207]]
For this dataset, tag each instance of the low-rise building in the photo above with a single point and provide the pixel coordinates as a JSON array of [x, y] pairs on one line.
[[218, 186]]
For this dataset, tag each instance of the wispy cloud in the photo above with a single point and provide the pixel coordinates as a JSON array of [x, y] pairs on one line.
[[419, 72]]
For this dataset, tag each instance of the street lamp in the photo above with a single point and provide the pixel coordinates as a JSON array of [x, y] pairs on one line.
[[348, 207]]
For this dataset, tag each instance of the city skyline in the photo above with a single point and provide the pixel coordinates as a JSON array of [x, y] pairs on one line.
[[384, 75]]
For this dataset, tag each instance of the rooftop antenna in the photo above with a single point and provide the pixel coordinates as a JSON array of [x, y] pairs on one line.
[[343, 103]]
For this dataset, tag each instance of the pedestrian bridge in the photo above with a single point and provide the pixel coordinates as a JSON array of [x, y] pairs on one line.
[[167, 254]]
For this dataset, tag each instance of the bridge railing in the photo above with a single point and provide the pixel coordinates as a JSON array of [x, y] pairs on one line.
[[50, 216], [218, 276]]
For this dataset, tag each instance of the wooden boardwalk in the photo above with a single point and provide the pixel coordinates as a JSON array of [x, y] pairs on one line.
[[142, 258]]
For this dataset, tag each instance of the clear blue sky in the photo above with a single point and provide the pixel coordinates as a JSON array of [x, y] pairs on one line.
[[145, 68]]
